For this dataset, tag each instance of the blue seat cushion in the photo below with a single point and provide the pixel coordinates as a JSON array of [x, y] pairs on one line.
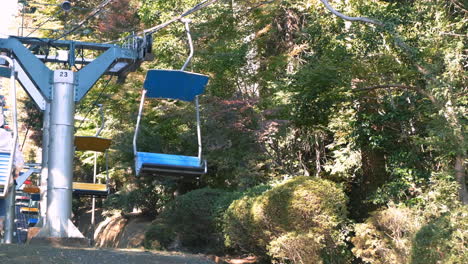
[[174, 84], [168, 161]]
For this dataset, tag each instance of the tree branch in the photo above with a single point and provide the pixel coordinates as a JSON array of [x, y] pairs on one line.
[[402, 86], [345, 17], [459, 5], [384, 86], [399, 42], [170, 21], [174, 19], [449, 114]]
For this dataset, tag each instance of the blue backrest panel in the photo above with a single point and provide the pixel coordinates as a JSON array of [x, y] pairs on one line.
[[167, 160], [36, 197], [174, 84]]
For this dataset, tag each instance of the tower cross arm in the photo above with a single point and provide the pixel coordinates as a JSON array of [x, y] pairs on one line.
[[35, 69], [91, 73]]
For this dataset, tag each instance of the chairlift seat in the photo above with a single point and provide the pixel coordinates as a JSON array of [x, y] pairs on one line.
[[31, 189], [32, 221], [92, 143], [29, 210], [96, 189], [169, 165], [174, 84], [19, 197]]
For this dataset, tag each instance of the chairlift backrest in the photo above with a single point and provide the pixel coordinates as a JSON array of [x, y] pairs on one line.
[[174, 84]]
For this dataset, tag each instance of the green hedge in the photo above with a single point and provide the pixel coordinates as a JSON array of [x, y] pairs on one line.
[[191, 221], [299, 219], [433, 231]]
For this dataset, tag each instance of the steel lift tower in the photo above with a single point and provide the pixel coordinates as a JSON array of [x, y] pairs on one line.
[[56, 92]]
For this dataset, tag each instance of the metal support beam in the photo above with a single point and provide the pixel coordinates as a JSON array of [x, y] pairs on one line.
[[91, 73], [71, 54], [26, 83], [37, 72], [10, 215], [45, 165], [65, 43], [60, 179], [29, 87]]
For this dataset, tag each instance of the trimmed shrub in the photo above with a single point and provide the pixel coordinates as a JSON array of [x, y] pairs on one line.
[[191, 221], [434, 231], [240, 229], [291, 246], [386, 236], [159, 235], [442, 240], [304, 212]]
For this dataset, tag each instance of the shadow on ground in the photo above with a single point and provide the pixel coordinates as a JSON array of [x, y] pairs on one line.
[[13, 254]]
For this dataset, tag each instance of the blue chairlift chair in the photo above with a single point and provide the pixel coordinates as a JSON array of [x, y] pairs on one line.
[[34, 201], [178, 85]]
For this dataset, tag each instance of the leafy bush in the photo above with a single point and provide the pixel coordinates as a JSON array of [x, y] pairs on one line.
[[293, 221], [443, 240], [147, 198], [291, 246], [435, 230], [191, 221], [386, 236], [239, 226], [236, 158]]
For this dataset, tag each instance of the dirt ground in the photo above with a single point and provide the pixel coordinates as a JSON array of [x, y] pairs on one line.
[[13, 254]]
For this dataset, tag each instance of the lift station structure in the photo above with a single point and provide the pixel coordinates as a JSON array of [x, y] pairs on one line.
[[56, 92]]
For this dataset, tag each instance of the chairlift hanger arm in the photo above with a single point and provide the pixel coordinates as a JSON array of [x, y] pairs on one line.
[[190, 42], [103, 120]]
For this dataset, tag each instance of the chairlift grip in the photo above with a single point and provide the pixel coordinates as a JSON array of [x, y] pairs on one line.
[[189, 37]]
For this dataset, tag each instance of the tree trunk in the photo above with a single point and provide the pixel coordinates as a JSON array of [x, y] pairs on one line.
[[373, 162], [460, 174], [374, 176]]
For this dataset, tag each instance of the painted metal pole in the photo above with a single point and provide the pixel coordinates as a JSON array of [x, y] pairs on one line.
[[10, 215], [10, 198], [45, 164], [61, 150], [93, 206]]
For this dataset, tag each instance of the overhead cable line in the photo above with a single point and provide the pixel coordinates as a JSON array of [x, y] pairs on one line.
[[174, 19], [95, 101], [92, 14], [155, 29], [43, 23]]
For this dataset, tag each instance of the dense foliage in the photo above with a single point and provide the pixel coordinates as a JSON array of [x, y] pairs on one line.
[[371, 111], [298, 220], [433, 231], [192, 221]]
